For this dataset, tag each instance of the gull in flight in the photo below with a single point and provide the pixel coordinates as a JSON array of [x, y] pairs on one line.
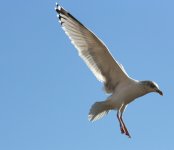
[[117, 83]]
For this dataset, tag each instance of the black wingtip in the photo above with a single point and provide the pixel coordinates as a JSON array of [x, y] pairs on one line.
[[61, 11], [57, 8]]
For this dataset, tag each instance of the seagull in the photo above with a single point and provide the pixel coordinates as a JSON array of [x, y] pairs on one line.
[[122, 88]]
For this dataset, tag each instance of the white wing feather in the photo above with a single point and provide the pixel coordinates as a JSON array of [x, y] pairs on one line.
[[92, 50]]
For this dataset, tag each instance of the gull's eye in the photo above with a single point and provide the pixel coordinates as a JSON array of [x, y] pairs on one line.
[[152, 86]]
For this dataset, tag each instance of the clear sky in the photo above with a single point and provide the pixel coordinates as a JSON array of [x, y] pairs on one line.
[[46, 90]]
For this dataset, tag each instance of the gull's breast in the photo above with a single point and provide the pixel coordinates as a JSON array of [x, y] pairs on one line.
[[127, 93]]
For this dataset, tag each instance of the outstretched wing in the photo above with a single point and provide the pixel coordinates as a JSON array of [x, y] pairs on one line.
[[92, 50]]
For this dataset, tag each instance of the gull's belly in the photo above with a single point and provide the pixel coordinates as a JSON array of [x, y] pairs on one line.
[[126, 95]]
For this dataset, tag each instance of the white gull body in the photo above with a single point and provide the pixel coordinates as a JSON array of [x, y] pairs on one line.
[[96, 55]]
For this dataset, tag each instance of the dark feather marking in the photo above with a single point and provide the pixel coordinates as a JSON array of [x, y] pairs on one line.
[[75, 19]]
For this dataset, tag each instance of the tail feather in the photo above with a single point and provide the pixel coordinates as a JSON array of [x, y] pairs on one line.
[[98, 110]]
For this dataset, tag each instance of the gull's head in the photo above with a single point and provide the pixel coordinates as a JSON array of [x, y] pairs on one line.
[[151, 86]]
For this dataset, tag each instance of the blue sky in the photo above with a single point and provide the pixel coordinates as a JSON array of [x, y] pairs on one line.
[[47, 90]]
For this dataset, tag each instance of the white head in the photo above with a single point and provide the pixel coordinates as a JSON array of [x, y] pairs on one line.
[[151, 86]]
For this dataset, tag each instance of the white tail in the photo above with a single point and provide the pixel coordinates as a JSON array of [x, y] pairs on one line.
[[98, 110]]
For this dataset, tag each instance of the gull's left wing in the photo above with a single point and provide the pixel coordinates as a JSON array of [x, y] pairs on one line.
[[92, 50]]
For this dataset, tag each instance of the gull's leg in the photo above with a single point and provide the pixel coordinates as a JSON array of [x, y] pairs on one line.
[[120, 122], [124, 126]]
